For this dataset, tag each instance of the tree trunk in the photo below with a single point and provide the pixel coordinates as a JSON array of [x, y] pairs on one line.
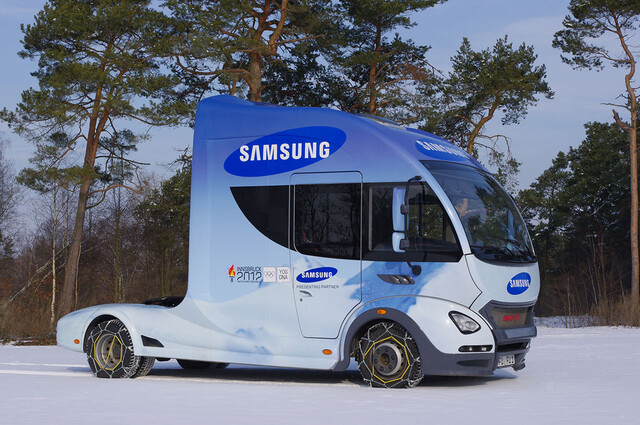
[[117, 261], [91, 265], [255, 77], [52, 322], [478, 127], [472, 138], [632, 130], [635, 256], [71, 267], [474, 134]]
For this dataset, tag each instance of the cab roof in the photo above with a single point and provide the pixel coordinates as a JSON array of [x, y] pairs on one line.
[[228, 117]]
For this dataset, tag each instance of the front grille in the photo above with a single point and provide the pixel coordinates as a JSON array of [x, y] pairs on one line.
[[505, 318], [512, 325]]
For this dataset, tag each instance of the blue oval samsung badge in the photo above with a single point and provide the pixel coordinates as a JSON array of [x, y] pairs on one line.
[[441, 150], [317, 274], [284, 151], [519, 283]]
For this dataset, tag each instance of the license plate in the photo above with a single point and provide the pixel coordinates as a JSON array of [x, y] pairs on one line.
[[508, 360]]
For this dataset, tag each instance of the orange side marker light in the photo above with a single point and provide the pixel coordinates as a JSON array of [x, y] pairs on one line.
[[76, 341], [327, 352], [382, 311]]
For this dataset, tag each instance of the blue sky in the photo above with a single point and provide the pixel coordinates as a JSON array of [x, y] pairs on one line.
[[551, 126]]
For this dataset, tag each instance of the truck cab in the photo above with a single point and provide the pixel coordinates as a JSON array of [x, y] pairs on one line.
[[318, 237]]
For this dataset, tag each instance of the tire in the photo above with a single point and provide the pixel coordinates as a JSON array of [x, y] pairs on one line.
[[146, 363], [199, 365], [109, 350], [388, 357]]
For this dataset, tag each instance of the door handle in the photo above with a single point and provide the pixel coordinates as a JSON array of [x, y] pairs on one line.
[[397, 279]]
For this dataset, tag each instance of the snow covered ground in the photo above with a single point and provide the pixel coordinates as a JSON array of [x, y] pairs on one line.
[[573, 376]]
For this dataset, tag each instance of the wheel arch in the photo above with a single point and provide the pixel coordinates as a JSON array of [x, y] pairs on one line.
[[100, 318], [373, 316], [105, 316]]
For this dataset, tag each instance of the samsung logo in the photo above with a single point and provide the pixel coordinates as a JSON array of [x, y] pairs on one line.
[[519, 283], [317, 274], [440, 151], [272, 152], [285, 151]]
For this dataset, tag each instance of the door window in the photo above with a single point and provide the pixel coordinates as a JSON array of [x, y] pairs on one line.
[[430, 233], [327, 220]]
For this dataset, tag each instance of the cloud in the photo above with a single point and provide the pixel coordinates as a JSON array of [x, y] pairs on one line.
[[540, 28], [17, 11]]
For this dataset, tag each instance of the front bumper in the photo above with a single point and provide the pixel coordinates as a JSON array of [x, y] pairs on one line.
[[512, 335]]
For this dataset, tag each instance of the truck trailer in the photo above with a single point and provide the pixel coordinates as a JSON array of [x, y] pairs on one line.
[[319, 236]]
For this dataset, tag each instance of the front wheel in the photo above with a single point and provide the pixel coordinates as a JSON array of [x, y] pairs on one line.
[[109, 350], [146, 363], [388, 357]]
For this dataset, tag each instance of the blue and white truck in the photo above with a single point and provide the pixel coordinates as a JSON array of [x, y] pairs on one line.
[[319, 236]]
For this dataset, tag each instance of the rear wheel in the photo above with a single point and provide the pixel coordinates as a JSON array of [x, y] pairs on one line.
[[198, 365], [388, 357], [109, 350]]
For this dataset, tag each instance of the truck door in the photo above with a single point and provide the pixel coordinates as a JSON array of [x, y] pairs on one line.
[[326, 250]]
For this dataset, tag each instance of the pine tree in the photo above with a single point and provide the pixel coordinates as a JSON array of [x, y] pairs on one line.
[[499, 79], [96, 67]]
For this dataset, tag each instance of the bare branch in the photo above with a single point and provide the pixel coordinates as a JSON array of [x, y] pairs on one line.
[[624, 126], [194, 71], [617, 106]]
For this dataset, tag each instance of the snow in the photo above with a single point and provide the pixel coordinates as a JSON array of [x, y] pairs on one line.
[[569, 321], [588, 375]]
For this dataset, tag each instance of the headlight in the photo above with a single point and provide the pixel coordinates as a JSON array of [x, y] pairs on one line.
[[465, 324]]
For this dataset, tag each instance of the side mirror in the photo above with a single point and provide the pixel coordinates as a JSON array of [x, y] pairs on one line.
[[398, 202], [400, 219], [399, 242], [401, 222]]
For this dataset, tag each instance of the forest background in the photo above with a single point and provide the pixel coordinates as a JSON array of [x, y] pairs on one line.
[[105, 72]]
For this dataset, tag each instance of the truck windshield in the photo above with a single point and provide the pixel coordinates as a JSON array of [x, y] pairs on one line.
[[491, 220]]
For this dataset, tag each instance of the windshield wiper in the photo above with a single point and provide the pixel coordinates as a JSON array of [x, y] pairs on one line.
[[502, 253], [496, 252], [524, 251]]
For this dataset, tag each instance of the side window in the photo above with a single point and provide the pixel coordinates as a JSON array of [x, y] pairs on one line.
[[429, 225], [430, 232], [327, 220], [267, 208]]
